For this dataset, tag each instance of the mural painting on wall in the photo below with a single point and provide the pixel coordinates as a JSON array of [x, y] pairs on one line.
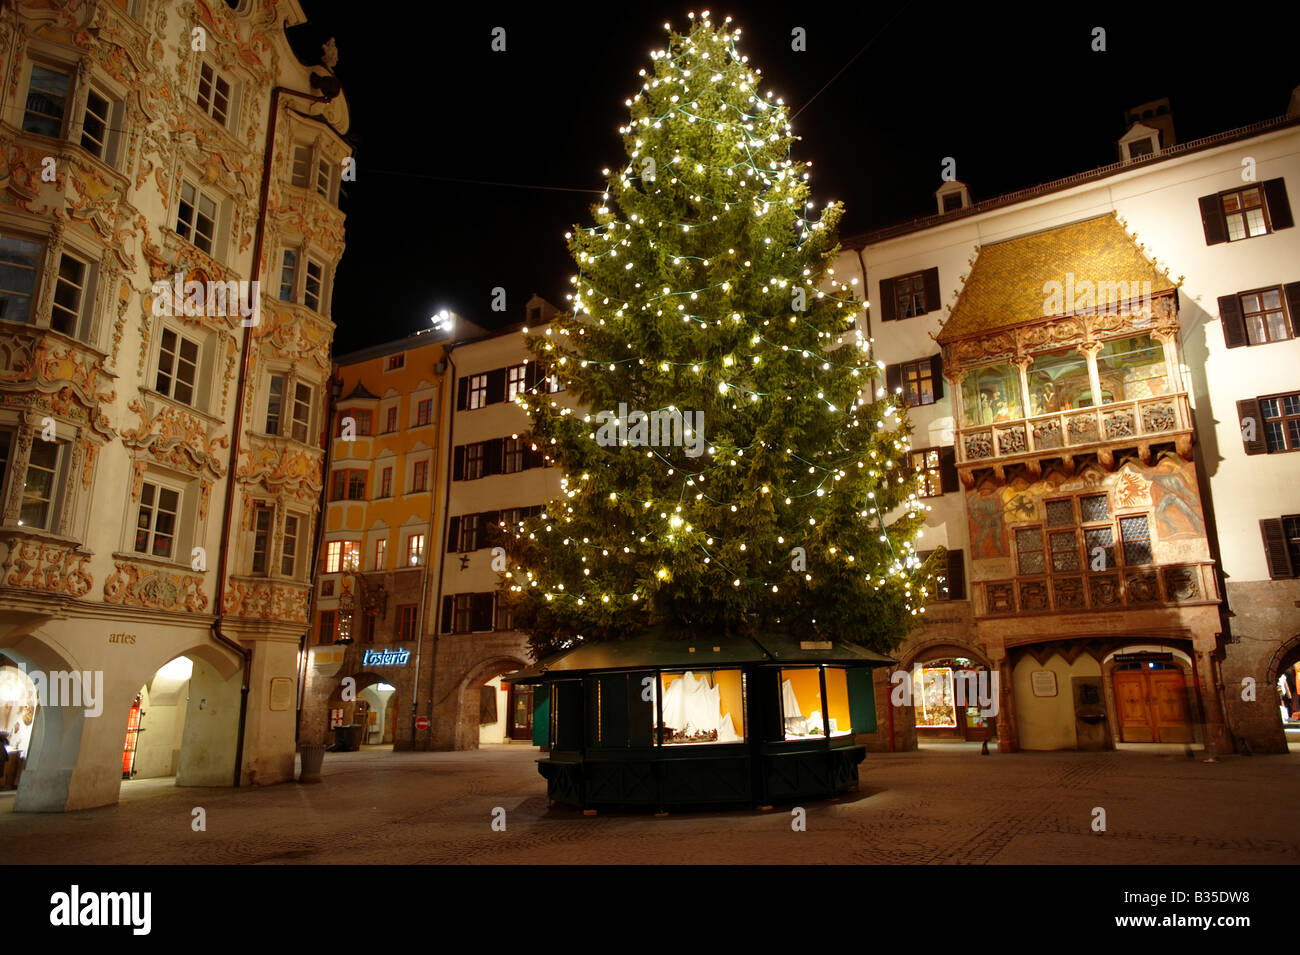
[[988, 529], [1176, 500]]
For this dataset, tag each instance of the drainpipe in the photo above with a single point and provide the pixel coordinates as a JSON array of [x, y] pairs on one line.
[[330, 88], [327, 430], [424, 589], [442, 539], [862, 263]]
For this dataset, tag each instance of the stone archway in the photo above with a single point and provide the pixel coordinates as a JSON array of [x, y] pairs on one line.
[[971, 720], [1283, 658], [468, 697]]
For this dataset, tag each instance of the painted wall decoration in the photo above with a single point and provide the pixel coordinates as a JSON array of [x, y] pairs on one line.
[[1176, 500], [988, 529]]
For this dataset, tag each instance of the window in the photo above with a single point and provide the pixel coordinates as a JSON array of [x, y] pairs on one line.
[[1282, 545], [71, 303], [311, 294], [47, 97], [342, 556], [420, 476], [478, 391], [301, 166], [381, 553], [918, 383], [363, 420], [178, 366], [1265, 316], [397, 361], [1058, 381], [462, 608], [469, 533], [927, 462], [475, 459], [98, 135], [906, 296], [262, 520], [301, 411], [1132, 368], [40, 484], [992, 393], [516, 376], [214, 93], [155, 525], [349, 485], [804, 712], [196, 217], [466, 613], [324, 176], [1245, 213], [1136, 536], [1029, 550], [288, 275], [553, 384], [909, 296], [505, 618], [1141, 147], [406, 622], [423, 412], [414, 550], [328, 626], [513, 455], [19, 260], [289, 552], [386, 483], [390, 420], [6, 450], [952, 201], [1281, 422], [274, 404]]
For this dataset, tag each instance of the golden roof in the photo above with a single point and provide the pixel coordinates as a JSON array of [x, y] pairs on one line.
[[1011, 282]]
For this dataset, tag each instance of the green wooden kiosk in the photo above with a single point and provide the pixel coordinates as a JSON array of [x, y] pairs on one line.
[[667, 720]]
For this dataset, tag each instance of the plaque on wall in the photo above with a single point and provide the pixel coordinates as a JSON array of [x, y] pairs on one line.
[[281, 697], [1043, 682]]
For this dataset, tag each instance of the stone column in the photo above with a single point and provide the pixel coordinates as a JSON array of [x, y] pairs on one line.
[[1217, 739], [1008, 738]]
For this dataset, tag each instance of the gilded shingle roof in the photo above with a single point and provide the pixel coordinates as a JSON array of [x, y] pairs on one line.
[[1008, 284]]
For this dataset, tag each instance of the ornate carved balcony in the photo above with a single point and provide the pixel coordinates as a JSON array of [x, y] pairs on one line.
[[1124, 588], [1143, 422]]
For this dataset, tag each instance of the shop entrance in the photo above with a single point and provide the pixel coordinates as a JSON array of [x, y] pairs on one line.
[[1151, 701], [521, 713], [155, 723], [940, 715]]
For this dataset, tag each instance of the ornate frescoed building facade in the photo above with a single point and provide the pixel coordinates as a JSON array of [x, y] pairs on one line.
[[1101, 376], [169, 228]]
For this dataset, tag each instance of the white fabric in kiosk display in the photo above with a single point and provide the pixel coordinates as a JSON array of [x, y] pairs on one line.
[[789, 701], [690, 704]]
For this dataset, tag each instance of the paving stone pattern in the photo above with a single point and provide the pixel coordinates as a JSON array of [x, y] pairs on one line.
[[936, 805]]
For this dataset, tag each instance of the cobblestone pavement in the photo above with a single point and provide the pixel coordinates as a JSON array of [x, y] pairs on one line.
[[941, 804]]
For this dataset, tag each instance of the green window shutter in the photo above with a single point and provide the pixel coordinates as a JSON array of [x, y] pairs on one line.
[[862, 700], [542, 716]]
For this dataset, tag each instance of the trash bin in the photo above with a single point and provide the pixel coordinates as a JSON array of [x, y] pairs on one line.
[[313, 755]]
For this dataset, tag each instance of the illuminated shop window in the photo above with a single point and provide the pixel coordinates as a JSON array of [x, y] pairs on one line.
[[804, 712], [702, 707], [933, 692]]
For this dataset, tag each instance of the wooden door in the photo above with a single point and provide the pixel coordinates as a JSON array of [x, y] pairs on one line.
[[1152, 706], [1131, 702], [1169, 710], [521, 712]]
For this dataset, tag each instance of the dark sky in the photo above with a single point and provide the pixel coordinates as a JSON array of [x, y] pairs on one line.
[[1016, 99]]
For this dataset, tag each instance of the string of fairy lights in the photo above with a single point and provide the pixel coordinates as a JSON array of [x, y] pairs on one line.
[[689, 85]]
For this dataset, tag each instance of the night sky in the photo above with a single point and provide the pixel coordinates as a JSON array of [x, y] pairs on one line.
[[1015, 101]]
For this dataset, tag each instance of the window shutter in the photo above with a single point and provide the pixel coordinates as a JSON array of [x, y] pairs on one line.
[[936, 373], [1292, 293], [532, 459], [492, 455], [956, 576], [1252, 424], [1279, 561], [1216, 230], [496, 386], [462, 393], [888, 301], [1234, 326], [488, 532], [1279, 210], [948, 470], [893, 377], [480, 613], [446, 613], [532, 375], [453, 534], [930, 278], [458, 463]]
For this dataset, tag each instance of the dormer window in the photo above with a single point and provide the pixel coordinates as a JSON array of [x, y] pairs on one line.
[[952, 196], [1140, 141]]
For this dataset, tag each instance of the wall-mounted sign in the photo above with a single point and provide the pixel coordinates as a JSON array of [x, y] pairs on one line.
[[281, 697], [1043, 682], [385, 658], [1149, 657]]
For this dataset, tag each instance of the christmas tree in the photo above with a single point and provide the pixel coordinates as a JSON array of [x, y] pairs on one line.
[[730, 463]]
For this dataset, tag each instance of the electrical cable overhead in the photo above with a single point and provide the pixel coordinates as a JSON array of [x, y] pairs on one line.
[[852, 59]]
